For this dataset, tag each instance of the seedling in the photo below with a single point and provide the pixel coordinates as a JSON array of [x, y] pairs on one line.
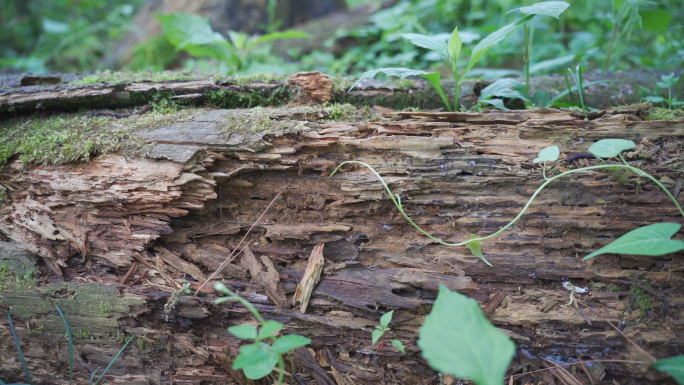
[[650, 240], [193, 34], [382, 328], [667, 82], [259, 359], [449, 46]]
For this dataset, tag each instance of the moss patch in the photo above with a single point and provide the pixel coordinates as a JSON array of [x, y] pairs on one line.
[[658, 113], [62, 138], [125, 77]]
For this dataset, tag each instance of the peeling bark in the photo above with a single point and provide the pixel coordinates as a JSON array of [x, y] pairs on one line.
[[192, 201]]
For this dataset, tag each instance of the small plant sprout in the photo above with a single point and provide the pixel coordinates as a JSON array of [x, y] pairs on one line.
[[259, 359], [666, 83], [449, 47], [652, 240], [382, 328], [578, 78]]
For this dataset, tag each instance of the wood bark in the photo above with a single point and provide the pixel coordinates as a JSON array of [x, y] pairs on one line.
[[117, 236], [28, 93]]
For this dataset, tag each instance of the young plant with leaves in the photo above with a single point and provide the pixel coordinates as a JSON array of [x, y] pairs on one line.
[[650, 240], [259, 359], [449, 48], [384, 327], [193, 34], [666, 83]]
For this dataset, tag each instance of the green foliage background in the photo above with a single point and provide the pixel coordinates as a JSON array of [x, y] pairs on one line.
[[73, 36]]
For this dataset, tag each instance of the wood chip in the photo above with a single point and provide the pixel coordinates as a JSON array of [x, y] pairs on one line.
[[269, 278], [312, 275]]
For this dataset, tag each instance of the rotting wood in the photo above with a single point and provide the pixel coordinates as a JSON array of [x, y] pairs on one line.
[[456, 174], [311, 277], [64, 93]]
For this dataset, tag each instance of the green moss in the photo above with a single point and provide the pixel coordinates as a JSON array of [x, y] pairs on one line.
[[62, 138], [4, 274], [641, 300], [242, 80], [619, 175], [658, 113], [83, 334], [106, 308], [125, 77]]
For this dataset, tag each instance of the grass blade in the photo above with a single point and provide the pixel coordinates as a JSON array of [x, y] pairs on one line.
[[90, 381], [21, 354], [114, 360], [71, 344]]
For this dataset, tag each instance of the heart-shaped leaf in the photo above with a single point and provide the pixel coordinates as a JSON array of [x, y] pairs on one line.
[[651, 240], [608, 148], [549, 154], [457, 339], [673, 366]]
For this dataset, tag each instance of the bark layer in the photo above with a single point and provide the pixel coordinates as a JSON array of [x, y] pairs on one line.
[[124, 233]]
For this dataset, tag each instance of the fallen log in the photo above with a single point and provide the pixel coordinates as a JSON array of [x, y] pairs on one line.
[[118, 235]]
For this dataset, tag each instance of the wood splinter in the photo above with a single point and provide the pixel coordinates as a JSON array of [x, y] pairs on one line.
[[312, 275]]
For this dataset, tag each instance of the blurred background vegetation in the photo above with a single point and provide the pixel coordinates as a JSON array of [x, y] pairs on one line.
[[84, 36]]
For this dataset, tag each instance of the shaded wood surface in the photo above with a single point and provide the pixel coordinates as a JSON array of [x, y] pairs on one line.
[[191, 201], [28, 93]]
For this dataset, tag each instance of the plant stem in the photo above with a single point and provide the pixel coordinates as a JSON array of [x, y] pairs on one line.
[[457, 94], [397, 200], [234, 297]]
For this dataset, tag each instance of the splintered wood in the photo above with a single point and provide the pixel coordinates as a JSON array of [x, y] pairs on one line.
[[182, 211], [312, 275]]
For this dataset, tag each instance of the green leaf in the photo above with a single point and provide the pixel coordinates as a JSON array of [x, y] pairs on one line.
[[573, 89], [476, 248], [386, 319], [437, 43], [552, 63], [485, 44], [389, 71], [397, 344], [655, 19], [457, 339], [541, 99], [257, 360], [269, 328], [454, 47], [289, 342], [654, 99], [243, 332], [651, 240], [239, 39], [279, 35], [434, 79], [503, 88], [498, 103], [376, 334], [547, 8], [549, 154], [608, 148], [673, 366], [192, 33]]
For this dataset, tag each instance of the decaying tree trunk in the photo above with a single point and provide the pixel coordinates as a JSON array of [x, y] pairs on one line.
[[118, 235]]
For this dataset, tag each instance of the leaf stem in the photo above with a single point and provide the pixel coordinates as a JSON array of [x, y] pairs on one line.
[[396, 200]]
